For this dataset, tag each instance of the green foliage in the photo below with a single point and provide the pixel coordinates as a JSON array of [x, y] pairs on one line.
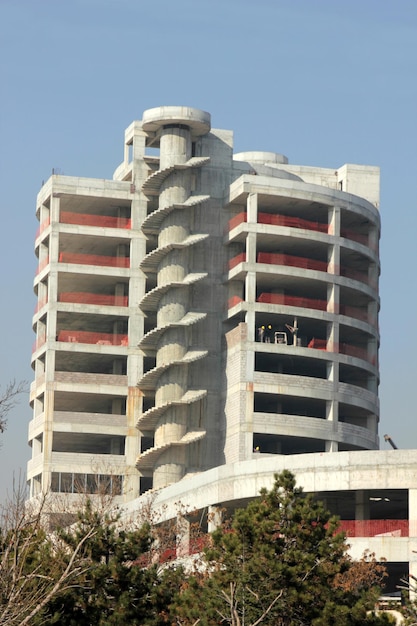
[[114, 589], [409, 605], [23, 550], [277, 564]]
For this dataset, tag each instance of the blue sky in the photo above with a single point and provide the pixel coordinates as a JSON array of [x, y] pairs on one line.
[[323, 82]]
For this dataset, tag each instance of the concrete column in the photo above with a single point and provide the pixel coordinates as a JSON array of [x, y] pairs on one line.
[[139, 145], [214, 518], [169, 468], [117, 406], [117, 366], [373, 238], [51, 326], [412, 533], [372, 420], [44, 213], [334, 221], [373, 313], [183, 536], [47, 438], [175, 148], [50, 366], [361, 505], [252, 332], [373, 275], [133, 409], [333, 298], [333, 303], [333, 306], [333, 260], [412, 512], [136, 290], [251, 248], [332, 406], [250, 280], [252, 208], [251, 324], [119, 293], [175, 145], [122, 251], [42, 292], [372, 349], [119, 327], [55, 206], [36, 446], [53, 251]]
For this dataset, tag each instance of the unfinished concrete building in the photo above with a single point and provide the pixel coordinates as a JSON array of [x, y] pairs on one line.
[[201, 306], [206, 319]]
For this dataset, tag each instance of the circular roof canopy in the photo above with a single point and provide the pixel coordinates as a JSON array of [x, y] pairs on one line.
[[198, 121]]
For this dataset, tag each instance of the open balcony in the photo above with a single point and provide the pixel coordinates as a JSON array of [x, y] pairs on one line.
[[94, 259], [84, 336], [101, 221]]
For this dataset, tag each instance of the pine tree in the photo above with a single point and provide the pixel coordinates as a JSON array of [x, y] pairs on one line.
[[281, 562], [114, 588]]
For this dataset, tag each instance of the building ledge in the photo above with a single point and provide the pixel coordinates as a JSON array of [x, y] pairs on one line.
[[150, 379], [152, 223], [150, 340], [147, 459], [150, 301], [149, 419], [151, 261]]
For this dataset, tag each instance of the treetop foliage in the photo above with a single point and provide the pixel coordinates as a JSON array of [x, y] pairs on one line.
[[280, 561]]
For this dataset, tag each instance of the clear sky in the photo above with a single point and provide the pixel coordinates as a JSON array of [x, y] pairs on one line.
[[325, 82]]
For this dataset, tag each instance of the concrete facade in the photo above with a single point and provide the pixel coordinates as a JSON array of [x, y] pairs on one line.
[[201, 311]]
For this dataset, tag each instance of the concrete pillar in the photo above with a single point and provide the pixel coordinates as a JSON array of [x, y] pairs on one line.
[[169, 468], [333, 298], [251, 248], [183, 536], [38, 406], [175, 148], [251, 324], [332, 332], [117, 367], [214, 518], [332, 405], [361, 505], [412, 533], [44, 213], [42, 292], [252, 208], [373, 314], [133, 409], [117, 406], [119, 293], [55, 202], [139, 145], [334, 221], [47, 439], [373, 238], [122, 251], [175, 145]]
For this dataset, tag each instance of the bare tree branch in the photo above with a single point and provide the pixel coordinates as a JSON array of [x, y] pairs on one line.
[[26, 585], [8, 399]]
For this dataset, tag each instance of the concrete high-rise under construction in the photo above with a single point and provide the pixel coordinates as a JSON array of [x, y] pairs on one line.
[[200, 309], [206, 319]]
